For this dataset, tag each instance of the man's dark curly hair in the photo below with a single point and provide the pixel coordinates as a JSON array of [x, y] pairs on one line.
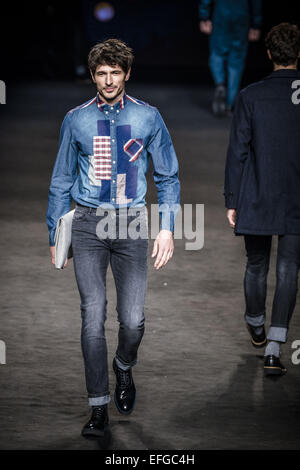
[[283, 42], [110, 52]]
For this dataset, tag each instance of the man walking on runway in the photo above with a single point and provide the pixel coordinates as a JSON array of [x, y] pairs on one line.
[[109, 140], [262, 190], [230, 24]]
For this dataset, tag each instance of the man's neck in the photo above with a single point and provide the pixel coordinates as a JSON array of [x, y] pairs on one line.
[[114, 101], [282, 67]]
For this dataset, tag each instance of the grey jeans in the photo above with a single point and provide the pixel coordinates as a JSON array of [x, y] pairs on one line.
[[128, 259], [258, 248]]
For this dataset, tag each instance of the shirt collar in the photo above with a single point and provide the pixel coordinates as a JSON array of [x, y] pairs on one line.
[[119, 105]]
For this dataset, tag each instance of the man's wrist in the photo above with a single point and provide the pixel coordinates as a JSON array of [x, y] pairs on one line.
[[167, 232]]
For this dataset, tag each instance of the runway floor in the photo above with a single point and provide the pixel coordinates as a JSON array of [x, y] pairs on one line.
[[199, 381]]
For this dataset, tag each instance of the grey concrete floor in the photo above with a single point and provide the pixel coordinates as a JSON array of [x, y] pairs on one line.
[[199, 381]]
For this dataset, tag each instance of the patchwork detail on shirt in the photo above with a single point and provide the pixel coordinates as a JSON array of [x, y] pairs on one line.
[[100, 161], [133, 148], [121, 187]]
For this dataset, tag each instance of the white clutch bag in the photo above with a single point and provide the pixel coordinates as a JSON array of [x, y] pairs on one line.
[[63, 238]]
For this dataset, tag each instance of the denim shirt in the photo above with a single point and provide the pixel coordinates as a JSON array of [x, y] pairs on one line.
[[103, 159], [234, 9]]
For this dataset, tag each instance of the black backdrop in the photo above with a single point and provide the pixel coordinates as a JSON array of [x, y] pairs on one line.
[[44, 39]]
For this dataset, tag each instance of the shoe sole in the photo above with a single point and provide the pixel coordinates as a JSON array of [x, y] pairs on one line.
[[119, 409], [269, 370], [254, 343], [258, 345], [94, 434]]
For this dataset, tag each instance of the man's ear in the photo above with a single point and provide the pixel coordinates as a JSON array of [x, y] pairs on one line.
[[127, 75], [92, 76], [269, 54]]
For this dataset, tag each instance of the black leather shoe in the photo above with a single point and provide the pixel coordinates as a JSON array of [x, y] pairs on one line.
[[273, 366], [258, 341], [125, 393], [98, 423]]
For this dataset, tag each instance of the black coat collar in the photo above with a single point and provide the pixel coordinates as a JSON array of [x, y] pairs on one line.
[[284, 73]]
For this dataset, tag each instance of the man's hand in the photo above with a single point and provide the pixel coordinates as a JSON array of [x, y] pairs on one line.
[[163, 248], [205, 27], [52, 253], [253, 35], [231, 216]]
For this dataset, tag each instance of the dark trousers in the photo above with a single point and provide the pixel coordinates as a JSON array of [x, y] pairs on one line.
[[228, 51], [128, 259], [258, 248]]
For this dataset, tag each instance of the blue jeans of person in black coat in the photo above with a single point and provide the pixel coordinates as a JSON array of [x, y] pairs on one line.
[[258, 248]]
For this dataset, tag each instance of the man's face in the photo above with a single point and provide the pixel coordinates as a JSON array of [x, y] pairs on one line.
[[110, 81]]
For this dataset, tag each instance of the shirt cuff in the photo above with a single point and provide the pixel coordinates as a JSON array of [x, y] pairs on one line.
[[51, 238], [167, 215], [167, 224]]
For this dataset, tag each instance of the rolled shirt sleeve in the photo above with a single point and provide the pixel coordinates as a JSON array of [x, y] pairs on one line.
[[63, 176], [165, 172]]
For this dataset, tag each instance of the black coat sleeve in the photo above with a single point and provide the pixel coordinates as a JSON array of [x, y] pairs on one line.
[[238, 151]]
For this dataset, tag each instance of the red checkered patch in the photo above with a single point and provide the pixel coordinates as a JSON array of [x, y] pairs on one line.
[[102, 157]]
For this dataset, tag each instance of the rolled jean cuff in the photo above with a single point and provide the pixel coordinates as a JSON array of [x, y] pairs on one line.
[[255, 320], [124, 366], [98, 401], [277, 333]]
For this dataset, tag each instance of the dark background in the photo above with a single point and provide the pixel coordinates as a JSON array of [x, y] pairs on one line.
[[46, 39]]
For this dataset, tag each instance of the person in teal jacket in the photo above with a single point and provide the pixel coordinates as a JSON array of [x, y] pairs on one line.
[[230, 24]]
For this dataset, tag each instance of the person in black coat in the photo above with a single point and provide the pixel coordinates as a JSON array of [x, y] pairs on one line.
[[262, 189]]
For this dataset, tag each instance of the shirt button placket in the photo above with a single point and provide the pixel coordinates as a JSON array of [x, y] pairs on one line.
[[113, 191]]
